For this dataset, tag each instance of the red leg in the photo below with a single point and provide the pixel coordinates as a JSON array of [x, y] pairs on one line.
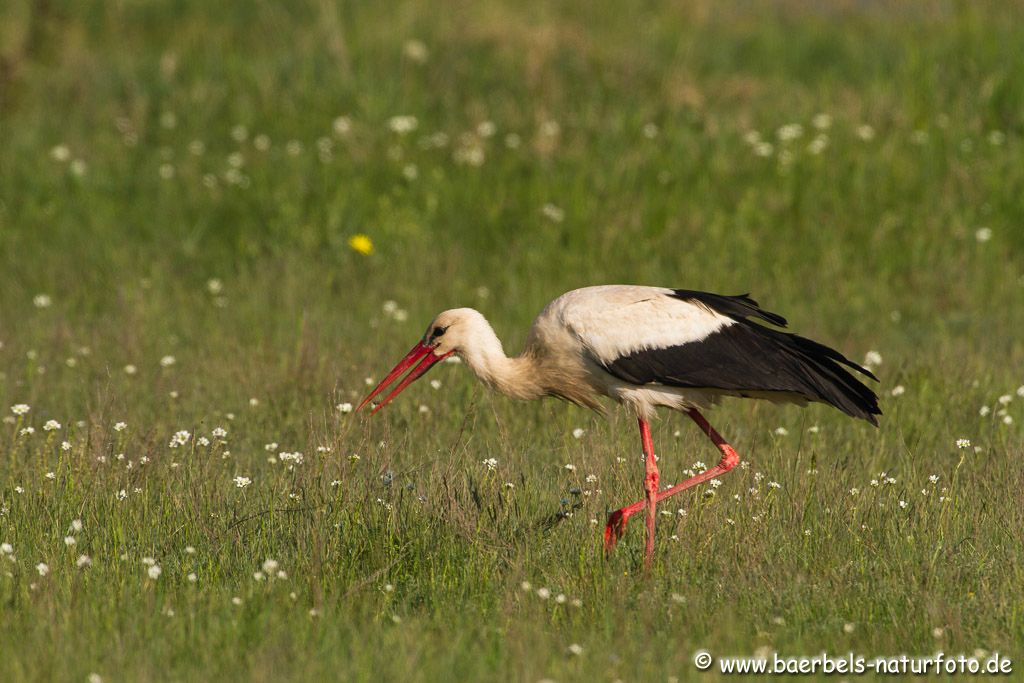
[[651, 479], [617, 521]]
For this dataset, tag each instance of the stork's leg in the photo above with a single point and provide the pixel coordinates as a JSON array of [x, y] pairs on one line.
[[651, 479], [617, 521]]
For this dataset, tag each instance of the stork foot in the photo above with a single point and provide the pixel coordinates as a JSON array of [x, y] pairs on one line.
[[613, 531], [616, 526]]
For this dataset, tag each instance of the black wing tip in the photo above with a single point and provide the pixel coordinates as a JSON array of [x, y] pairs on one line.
[[868, 410], [813, 347], [864, 371], [841, 388]]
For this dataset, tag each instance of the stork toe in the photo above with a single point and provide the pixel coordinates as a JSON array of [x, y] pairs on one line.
[[614, 529]]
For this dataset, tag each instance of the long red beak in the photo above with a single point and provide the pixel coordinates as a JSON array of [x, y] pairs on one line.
[[419, 351]]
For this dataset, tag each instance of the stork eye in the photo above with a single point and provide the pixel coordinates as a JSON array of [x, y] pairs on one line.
[[438, 331]]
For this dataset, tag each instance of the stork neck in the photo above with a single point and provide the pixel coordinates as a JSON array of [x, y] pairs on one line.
[[514, 377]]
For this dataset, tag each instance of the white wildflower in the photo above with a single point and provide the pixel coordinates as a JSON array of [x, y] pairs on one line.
[[342, 126], [60, 153], [403, 124], [790, 131], [486, 129], [865, 132], [818, 144], [553, 213], [180, 438], [296, 458], [416, 51]]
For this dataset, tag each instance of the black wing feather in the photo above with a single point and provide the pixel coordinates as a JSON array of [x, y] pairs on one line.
[[750, 357], [738, 307]]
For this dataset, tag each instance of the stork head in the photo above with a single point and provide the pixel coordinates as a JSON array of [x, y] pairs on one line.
[[451, 332], [457, 331]]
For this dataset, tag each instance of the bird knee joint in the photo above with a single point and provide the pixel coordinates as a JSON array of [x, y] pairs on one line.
[[730, 459], [651, 481]]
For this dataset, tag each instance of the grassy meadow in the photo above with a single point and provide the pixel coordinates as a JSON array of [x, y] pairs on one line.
[[220, 221]]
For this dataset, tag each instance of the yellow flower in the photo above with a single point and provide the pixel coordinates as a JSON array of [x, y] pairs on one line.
[[361, 243]]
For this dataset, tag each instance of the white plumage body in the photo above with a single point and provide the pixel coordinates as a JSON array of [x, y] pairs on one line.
[[594, 326], [611, 321]]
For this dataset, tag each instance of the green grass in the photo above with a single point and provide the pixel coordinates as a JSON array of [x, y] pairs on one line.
[[633, 122]]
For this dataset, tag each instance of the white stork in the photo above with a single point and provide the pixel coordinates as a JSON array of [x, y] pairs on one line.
[[646, 347]]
